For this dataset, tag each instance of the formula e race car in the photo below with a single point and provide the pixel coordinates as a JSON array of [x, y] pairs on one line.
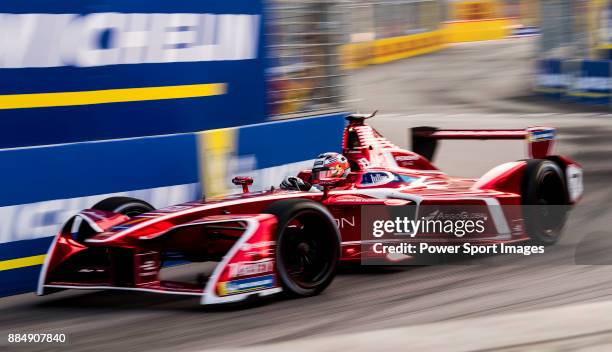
[[292, 240]]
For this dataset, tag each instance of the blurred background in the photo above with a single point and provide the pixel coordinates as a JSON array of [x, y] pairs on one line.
[[166, 101]]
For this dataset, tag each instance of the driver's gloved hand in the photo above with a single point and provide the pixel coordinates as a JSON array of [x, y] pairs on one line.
[[294, 184]]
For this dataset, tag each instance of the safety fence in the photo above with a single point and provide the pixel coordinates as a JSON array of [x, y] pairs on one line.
[[43, 186], [385, 31], [303, 43], [574, 51]]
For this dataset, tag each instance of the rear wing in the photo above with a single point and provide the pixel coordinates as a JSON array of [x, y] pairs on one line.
[[539, 139]]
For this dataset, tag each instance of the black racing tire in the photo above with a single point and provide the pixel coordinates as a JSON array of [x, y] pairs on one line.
[[545, 201], [307, 246], [123, 205]]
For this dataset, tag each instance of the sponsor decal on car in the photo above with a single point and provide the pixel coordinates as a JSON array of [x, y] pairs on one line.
[[541, 135], [263, 244], [259, 267], [345, 222], [406, 158], [455, 214], [376, 178], [246, 285]]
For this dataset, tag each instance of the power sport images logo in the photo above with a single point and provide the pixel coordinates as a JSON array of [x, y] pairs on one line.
[[442, 231]]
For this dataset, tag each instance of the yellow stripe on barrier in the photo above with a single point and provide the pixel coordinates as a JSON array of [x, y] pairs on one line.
[[588, 94], [215, 149], [549, 90], [22, 262], [42, 100]]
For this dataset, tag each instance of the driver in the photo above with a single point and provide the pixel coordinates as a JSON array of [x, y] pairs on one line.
[[327, 166]]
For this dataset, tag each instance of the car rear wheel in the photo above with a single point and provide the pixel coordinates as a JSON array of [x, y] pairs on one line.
[[544, 199], [307, 246], [123, 205]]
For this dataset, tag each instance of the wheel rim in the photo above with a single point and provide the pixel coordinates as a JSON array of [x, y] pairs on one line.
[[306, 252]]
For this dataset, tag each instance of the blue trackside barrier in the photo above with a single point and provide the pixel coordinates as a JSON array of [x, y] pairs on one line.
[[43, 186], [301, 139], [591, 83], [549, 78], [579, 81]]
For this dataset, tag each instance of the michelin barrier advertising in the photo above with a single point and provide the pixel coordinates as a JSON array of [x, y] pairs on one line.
[[44, 186], [84, 70]]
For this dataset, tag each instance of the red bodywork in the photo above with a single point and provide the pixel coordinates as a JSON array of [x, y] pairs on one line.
[[126, 253]]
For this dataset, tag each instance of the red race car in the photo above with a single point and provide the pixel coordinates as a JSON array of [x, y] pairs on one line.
[[292, 238]]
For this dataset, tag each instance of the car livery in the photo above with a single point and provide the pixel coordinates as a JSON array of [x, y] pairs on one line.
[[290, 241]]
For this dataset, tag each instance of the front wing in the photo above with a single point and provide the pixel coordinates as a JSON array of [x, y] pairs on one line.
[[247, 268]]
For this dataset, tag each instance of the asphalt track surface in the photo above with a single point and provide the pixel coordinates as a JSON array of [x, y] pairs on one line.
[[470, 85]]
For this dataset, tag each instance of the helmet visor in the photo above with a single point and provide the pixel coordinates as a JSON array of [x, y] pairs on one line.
[[322, 174]]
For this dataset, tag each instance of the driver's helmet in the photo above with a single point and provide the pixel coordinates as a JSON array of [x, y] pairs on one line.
[[329, 166]]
